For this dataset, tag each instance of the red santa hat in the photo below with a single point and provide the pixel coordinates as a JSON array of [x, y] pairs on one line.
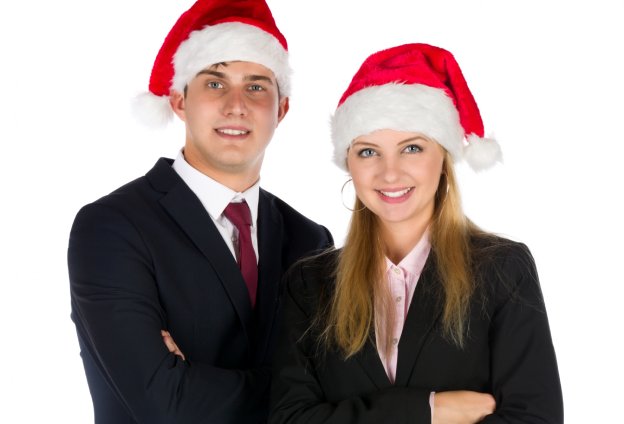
[[413, 88], [210, 32]]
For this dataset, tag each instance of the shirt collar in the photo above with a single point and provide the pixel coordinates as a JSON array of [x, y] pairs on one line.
[[414, 262], [214, 195]]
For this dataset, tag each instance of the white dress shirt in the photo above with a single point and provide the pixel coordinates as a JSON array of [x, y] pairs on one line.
[[215, 197]]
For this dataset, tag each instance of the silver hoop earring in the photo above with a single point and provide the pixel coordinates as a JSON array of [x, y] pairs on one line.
[[342, 197]]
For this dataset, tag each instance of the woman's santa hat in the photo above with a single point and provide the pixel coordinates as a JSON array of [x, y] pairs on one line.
[[210, 32], [413, 88]]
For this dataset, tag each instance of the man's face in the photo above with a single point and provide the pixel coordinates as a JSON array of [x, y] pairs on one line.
[[231, 111]]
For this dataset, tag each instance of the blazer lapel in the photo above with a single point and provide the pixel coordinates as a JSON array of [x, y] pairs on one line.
[[188, 212], [424, 311], [369, 360], [270, 244]]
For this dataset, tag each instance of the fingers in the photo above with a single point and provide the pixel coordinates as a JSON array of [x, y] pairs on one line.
[[462, 407], [488, 403], [171, 345], [168, 340]]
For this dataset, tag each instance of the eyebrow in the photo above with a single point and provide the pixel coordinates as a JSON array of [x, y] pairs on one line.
[[211, 72], [362, 143], [407, 140], [418, 137], [253, 78], [248, 78]]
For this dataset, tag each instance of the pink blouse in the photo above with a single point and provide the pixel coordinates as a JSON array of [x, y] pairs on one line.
[[401, 279]]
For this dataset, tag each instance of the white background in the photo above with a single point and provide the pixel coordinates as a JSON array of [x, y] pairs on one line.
[[547, 76]]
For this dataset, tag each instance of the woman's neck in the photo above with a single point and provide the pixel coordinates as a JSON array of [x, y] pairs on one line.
[[400, 239]]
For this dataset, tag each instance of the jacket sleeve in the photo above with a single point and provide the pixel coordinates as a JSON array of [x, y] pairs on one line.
[[524, 376], [118, 315], [297, 394]]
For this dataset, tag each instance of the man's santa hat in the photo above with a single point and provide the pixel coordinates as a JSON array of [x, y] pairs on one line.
[[413, 88], [210, 32]]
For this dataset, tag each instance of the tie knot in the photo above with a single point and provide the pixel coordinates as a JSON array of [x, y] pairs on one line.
[[238, 213]]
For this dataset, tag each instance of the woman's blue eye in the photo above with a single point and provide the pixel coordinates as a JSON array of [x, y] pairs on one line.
[[412, 148], [366, 153]]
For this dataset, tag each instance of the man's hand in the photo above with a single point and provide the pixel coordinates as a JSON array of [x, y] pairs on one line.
[[462, 407], [171, 345]]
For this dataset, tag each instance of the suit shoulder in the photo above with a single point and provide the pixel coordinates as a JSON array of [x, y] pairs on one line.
[[119, 202], [508, 269], [141, 189], [496, 250], [135, 196], [314, 267], [120, 207], [287, 211], [312, 279], [295, 222]]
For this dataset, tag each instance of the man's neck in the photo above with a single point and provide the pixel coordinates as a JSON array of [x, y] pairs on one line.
[[234, 179]]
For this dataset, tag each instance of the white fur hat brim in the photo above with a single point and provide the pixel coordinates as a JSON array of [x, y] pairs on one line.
[[226, 42], [411, 108]]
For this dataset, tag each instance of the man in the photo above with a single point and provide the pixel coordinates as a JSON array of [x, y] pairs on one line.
[[194, 250]]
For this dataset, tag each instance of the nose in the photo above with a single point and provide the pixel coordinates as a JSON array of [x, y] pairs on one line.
[[390, 169], [234, 103]]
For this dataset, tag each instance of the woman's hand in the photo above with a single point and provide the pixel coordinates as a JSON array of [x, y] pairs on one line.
[[461, 407], [171, 345]]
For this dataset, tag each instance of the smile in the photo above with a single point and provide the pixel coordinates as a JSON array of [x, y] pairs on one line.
[[395, 194], [231, 131]]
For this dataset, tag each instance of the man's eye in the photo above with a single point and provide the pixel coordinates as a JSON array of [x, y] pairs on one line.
[[214, 84], [256, 87]]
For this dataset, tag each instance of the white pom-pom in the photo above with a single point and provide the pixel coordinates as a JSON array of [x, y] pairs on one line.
[[151, 110], [482, 153]]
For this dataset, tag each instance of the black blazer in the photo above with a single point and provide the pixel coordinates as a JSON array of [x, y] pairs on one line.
[[508, 353], [148, 257]]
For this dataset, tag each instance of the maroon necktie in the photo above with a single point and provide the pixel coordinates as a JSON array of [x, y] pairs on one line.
[[240, 216]]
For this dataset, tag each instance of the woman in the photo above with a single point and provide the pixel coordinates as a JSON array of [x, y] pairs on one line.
[[421, 316]]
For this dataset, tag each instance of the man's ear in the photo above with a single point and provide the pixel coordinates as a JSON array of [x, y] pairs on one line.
[[177, 102], [282, 110]]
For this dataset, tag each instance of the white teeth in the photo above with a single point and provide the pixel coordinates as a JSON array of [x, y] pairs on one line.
[[230, 131], [395, 193]]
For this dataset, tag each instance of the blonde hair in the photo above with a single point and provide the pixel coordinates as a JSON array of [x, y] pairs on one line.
[[347, 320]]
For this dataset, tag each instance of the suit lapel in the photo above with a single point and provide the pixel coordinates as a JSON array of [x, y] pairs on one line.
[[188, 212], [424, 311], [369, 360], [270, 245]]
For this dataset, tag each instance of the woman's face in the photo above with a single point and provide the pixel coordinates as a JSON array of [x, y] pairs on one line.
[[396, 175]]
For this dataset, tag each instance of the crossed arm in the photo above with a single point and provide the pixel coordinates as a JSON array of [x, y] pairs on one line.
[[116, 305], [297, 394]]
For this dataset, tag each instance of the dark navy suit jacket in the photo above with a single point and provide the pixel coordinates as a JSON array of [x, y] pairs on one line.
[[148, 257]]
